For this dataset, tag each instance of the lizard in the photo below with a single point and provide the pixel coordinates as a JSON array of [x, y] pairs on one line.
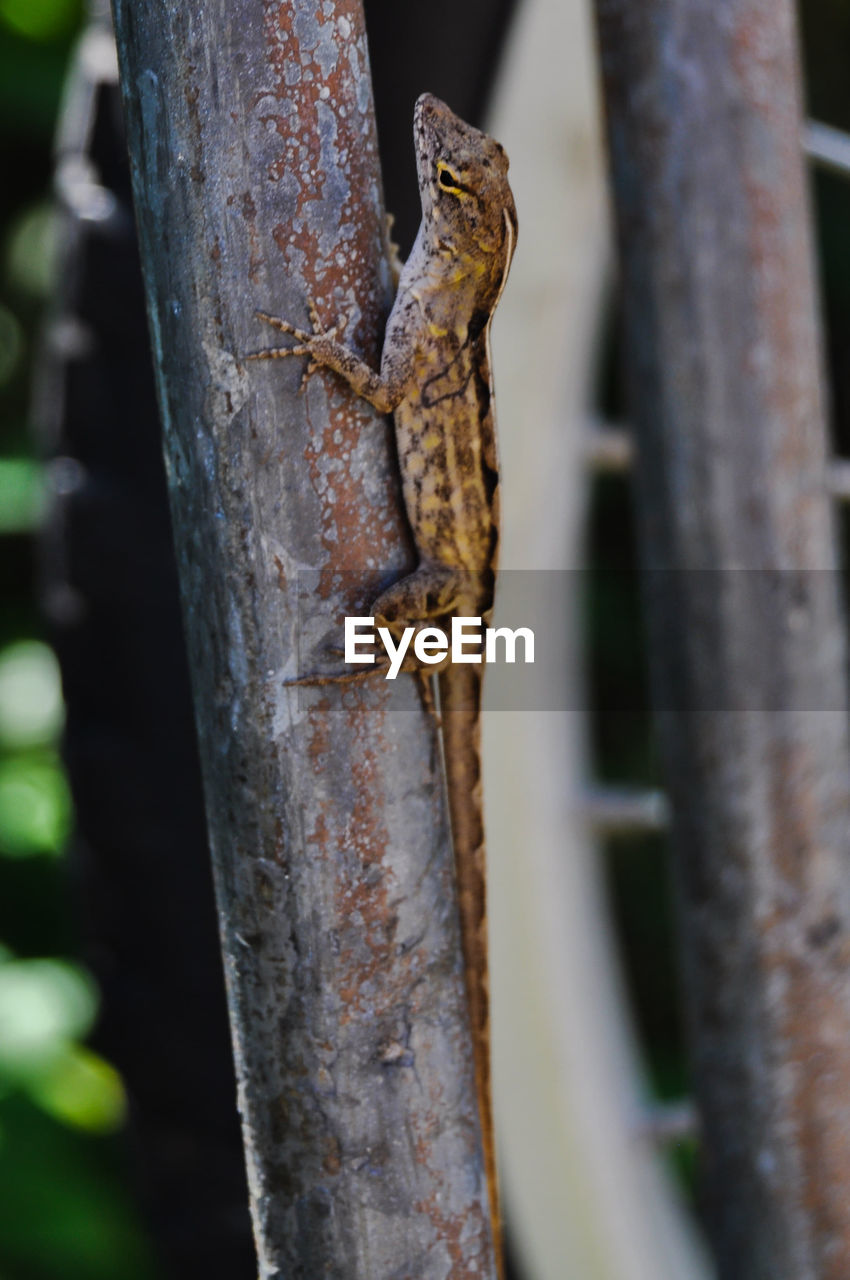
[[435, 378]]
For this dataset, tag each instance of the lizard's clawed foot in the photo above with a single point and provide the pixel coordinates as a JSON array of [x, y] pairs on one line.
[[306, 343], [311, 367]]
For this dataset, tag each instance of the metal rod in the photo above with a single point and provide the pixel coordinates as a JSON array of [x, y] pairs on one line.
[[827, 147], [746, 634], [257, 188], [610, 449], [624, 810], [838, 479], [669, 1122]]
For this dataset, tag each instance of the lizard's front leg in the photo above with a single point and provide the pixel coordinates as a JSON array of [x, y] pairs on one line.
[[383, 390]]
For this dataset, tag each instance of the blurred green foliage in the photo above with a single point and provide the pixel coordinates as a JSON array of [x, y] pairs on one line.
[[21, 494], [67, 1206], [41, 19], [66, 1211], [35, 39]]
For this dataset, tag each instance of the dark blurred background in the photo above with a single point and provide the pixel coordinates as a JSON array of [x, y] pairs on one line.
[[77, 1193], [67, 1207]]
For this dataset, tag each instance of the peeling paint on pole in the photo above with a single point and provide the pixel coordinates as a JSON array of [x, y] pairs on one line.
[[257, 187], [746, 628]]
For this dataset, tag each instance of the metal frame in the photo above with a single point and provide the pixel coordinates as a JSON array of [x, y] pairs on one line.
[[614, 810]]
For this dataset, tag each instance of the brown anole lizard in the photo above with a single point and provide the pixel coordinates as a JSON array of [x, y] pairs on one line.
[[435, 379]]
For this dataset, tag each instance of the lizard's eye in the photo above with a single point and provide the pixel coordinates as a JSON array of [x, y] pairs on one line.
[[449, 181]]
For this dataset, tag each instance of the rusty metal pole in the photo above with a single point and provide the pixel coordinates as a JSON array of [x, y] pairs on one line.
[[256, 181], [746, 633]]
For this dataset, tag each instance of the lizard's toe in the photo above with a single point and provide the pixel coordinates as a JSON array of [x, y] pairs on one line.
[[283, 326], [312, 366], [319, 330], [315, 321], [274, 353]]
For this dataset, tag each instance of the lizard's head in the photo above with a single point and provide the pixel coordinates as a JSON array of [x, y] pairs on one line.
[[467, 202]]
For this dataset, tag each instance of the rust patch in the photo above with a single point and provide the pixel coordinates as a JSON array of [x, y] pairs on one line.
[[332, 1163], [330, 239], [452, 1229], [370, 975], [279, 842]]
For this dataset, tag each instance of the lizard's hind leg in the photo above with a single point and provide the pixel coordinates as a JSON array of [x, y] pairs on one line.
[[425, 597], [379, 666], [428, 595]]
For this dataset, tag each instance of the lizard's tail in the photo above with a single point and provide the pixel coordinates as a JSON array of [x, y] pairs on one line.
[[460, 712]]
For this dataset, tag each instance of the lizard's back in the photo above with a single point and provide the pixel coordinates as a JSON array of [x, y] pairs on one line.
[[447, 454]]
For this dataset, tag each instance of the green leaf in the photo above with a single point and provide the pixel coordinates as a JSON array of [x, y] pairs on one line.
[[21, 494], [81, 1089], [40, 19], [31, 250], [31, 711], [66, 1208], [44, 1004], [35, 807]]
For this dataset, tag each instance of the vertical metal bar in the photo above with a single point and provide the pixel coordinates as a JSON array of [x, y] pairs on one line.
[[257, 187], [704, 127]]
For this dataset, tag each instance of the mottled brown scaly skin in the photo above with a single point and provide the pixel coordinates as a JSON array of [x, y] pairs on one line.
[[435, 379]]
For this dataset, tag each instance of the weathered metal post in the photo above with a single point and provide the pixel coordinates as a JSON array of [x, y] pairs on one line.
[[256, 182], [704, 128]]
